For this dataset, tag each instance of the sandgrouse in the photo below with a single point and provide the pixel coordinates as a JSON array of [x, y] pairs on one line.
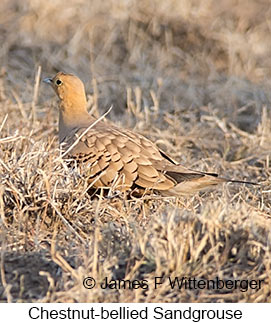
[[118, 156]]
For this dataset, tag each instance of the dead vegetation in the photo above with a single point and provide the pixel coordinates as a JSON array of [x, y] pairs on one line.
[[193, 76]]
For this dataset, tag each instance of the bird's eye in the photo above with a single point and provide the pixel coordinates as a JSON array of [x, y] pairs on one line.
[[58, 82]]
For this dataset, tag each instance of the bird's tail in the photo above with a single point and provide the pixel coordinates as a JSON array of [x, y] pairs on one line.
[[190, 182], [240, 182]]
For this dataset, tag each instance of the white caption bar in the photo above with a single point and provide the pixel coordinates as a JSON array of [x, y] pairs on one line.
[[109, 312]]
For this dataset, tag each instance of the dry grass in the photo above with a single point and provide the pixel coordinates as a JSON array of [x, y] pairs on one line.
[[193, 76]]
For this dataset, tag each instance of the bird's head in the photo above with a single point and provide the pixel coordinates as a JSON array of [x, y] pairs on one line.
[[70, 90]]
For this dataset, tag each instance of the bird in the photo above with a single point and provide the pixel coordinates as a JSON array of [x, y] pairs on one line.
[[120, 157]]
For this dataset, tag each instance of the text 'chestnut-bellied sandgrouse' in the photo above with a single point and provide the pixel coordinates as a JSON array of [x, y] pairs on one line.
[[118, 156]]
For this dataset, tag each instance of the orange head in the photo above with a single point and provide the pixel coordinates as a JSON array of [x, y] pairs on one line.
[[70, 90]]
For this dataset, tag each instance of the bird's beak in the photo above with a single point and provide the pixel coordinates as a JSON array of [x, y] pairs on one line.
[[47, 80]]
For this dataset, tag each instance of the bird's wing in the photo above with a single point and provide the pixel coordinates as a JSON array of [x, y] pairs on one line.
[[108, 153]]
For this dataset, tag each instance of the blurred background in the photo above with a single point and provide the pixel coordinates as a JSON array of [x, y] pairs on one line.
[[191, 75], [182, 55]]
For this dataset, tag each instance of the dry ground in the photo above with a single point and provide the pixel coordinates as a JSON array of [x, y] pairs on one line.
[[194, 77]]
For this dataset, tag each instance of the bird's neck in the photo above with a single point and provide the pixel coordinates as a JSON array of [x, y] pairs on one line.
[[71, 118]]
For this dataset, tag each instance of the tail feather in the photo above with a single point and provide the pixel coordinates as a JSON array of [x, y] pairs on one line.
[[191, 182], [195, 175], [241, 182]]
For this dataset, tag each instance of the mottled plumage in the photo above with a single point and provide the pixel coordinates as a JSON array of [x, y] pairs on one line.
[[118, 155]]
